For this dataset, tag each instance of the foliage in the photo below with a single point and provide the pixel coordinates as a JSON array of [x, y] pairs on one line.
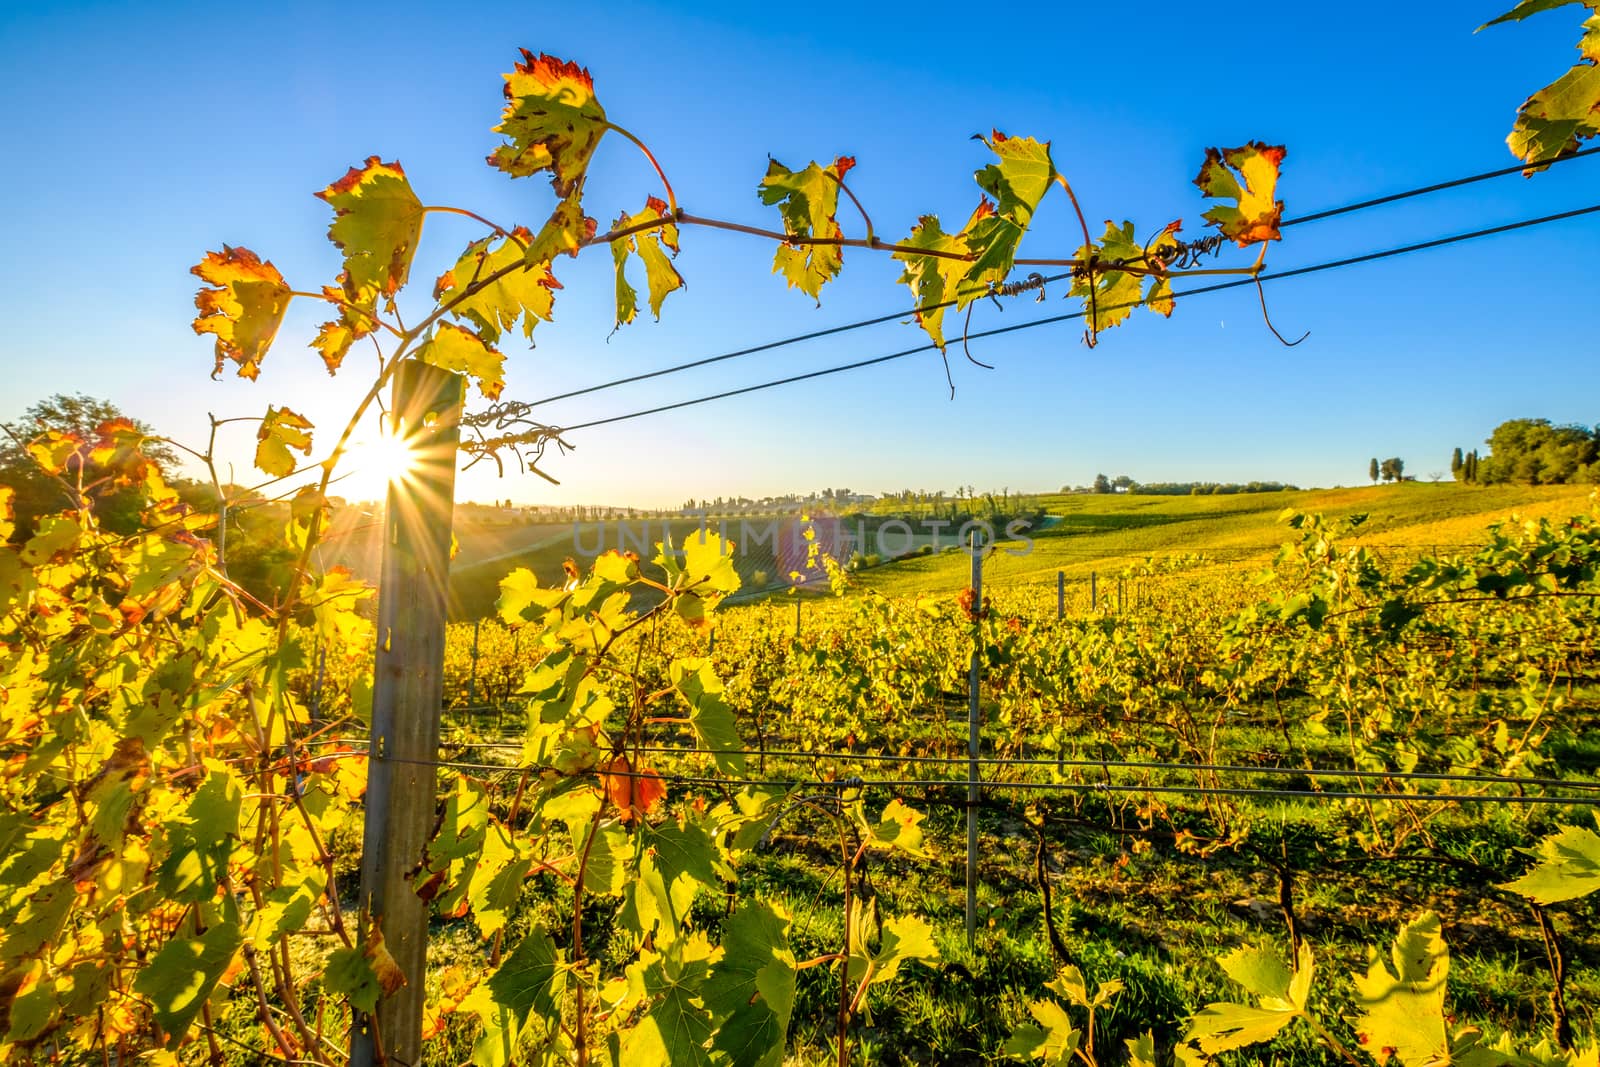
[[1556, 119], [1534, 452]]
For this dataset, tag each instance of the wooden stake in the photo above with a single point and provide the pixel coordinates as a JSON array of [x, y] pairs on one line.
[[407, 695]]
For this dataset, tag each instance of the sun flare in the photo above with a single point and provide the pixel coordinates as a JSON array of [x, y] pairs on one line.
[[381, 460]]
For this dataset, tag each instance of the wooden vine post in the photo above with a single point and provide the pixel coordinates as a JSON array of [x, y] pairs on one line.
[[974, 683], [407, 695]]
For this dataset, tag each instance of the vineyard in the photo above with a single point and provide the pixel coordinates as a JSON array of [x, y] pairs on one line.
[[1335, 805]]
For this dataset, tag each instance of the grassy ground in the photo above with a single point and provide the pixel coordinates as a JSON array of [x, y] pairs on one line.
[[1105, 534]]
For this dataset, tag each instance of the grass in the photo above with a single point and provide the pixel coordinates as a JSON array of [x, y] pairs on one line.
[[1104, 534]]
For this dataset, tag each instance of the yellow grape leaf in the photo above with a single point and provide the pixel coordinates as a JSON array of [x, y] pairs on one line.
[[652, 246], [377, 220], [943, 278], [7, 513], [528, 294], [552, 121], [808, 200], [280, 431], [1017, 183], [1553, 120], [1403, 1005], [242, 304], [1157, 253], [53, 450], [358, 317], [1112, 294], [457, 349], [567, 230], [1247, 175]]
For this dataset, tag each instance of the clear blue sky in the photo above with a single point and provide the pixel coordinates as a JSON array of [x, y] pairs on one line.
[[138, 137]]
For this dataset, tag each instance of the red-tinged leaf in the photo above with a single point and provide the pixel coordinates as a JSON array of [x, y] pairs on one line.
[[552, 122], [377, 221], [243, 305], [567, 230], [843, 166], [116, 451], [455, 348], [652, 246], [635, 793], [494, 306], [358, 317], [1247, 175], [281, 431]]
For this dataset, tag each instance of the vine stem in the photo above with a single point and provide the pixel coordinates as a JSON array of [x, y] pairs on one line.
[[1328, 1039], [580, 1021], [496, 227], [672, 199], [872, 241], [357, 308]]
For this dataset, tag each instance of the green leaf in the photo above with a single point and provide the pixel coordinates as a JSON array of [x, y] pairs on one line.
[[179, 978], [652, 246], [1531, 7], [1247, 175], [243, 305], [750, 991], [1141, 1050], [1568, 867], [552, 122], [532, 978], [455, 348], [527, 294], [377, 222], [677, 1028], [710, 715], [1403, 1003], [1020, 179], [808, 200], [935, 280], [497, 879], [903, 939], [281, 431]]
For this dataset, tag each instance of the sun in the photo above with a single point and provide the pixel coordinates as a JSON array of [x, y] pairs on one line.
[[379, 460]]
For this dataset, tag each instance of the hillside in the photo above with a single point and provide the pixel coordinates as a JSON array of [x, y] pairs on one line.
[[1105, 534]]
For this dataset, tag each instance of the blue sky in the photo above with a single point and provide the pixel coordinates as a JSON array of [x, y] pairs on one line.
[[138, 138]]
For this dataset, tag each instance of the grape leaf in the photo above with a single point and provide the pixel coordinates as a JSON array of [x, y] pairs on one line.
[[1115, 293], [455, 348], [710, 715], [1021, 178], [1017, 183], [750, 991], [178, 980], [567, 230], [676, 1028], [364, 973], [377, 221], [1555, 119], [934, 280], [1281, 998], [897, 828], [552, 120], [532, 978], [281, 431], [1568, 867], [243, 305], [358, 317], [528, 294], [808, 201], [661, 277], [1053, 1040], [7, 513], [1247, 175], [1403, 1006]]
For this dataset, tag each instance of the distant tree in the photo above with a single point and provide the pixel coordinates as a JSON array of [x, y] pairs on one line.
[[1456, 464], [1372, 471], [1122, 481], [1102, 484], [1393, 469], [1534, 452], [37, 493]]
